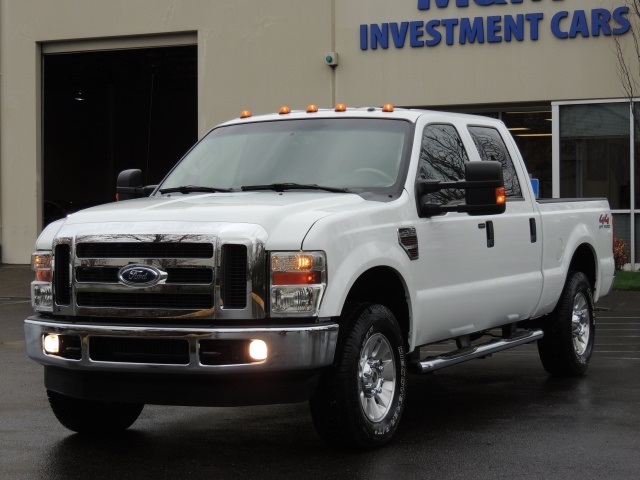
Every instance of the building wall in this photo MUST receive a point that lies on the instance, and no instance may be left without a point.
(263, 54)
(256, 55)
(502, 72)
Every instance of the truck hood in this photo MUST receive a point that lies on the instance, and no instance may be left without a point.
(285, 217)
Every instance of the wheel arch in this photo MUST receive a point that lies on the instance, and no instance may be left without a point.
(584, 260)
(384, 285)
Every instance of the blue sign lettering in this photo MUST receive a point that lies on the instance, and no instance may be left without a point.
(426, 4)
(584, 25)
(555, 24)
(619, 16)
(432, 30)
(534, 22)
(514, 28)
(600, 19)
(399, 33)
(471, 32)
(492, 29)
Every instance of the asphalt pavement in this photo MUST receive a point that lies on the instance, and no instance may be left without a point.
(502, 417)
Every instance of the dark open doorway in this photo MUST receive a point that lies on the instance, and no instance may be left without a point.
(107, 111)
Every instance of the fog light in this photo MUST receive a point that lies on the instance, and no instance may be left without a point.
(51, 344)
(258, 350)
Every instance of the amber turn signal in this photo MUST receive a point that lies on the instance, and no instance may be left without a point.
(297, 278)
(501, 197)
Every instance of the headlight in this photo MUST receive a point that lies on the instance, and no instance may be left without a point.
(298, 280)
(41, 289)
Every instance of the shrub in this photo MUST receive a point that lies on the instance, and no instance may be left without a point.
(620, 256)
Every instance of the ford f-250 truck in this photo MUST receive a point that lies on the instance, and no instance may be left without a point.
(314, 255)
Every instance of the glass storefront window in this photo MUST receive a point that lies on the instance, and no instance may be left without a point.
(531, 131)
(594, 152)
(636, 141)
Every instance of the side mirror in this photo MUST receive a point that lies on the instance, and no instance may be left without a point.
(129, 185)
(483, 186)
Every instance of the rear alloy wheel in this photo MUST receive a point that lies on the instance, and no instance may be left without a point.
(361, 397)
(569, 334)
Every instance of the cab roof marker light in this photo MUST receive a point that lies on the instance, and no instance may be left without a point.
(245, 114)
(312, 108)
(387, 108)
(341, 107)
(284, 110)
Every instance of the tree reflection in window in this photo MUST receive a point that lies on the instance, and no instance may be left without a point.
(491, 146)
(442, 157)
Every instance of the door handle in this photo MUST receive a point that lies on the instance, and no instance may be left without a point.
(488, 228)
(490, 236)
(533, 230)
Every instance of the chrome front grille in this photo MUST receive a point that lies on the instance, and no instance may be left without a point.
(145, 249)
(183, 301)
(62, 274)
(201, 277)
(180, 275)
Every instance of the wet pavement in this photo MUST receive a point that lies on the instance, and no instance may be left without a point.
(502, 417)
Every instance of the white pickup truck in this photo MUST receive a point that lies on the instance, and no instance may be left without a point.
(314, 255)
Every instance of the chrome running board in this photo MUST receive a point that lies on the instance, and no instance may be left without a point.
(471, 352)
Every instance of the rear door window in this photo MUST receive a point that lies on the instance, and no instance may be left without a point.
(491, 146)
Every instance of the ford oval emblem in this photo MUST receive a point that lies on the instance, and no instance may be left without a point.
(140, 275)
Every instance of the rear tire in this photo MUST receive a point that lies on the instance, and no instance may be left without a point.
(569, 334)
(92, 416)
(360, 399)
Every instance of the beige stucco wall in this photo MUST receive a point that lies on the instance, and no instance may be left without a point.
(251, 54)
(263, 54)
(542, 70)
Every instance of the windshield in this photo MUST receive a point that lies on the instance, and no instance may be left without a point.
(348, 153)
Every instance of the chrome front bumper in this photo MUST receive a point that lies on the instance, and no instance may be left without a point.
(290, 348)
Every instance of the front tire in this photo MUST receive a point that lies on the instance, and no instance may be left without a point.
(360, 399)
(569, 335)
(92, 416)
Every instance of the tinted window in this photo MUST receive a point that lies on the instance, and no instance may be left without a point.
(442, 157)
(491, 146)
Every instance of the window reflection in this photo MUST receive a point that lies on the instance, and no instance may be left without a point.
(491, 146)
(531, 130)
(594, 152)
(442, 157)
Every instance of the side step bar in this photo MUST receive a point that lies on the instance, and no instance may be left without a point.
(431, 364)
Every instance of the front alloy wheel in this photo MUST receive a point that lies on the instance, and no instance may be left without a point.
(377, 377)
(360, 399)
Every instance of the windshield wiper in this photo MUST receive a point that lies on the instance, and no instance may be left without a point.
(281, 187)
(193, 188)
